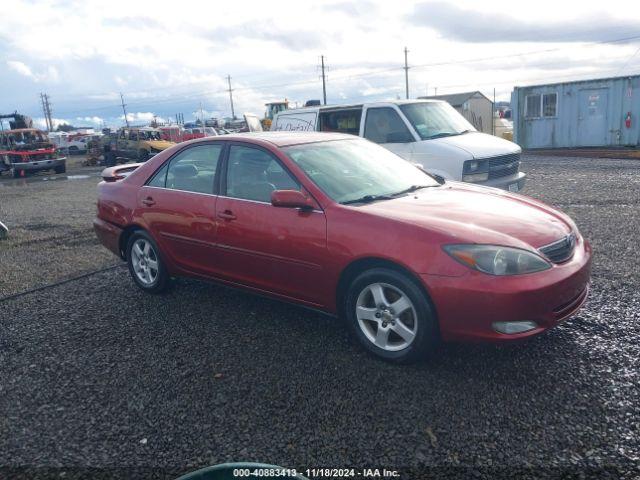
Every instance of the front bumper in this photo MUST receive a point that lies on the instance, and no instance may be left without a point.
(513, 183)
(108, 234)
(37, 165)
(468, 306)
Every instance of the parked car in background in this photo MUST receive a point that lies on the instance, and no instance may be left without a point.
(193, 133)
(137, 143)
(337, 223)
(171, 133)
(430, 133)
(28, 150)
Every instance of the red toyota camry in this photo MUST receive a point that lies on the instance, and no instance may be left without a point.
(342, 225)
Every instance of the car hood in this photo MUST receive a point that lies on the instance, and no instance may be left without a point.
(477, 145)
(465, 213)
(159, 144)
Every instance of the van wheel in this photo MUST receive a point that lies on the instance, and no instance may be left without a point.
(15, 173)
(145, 263)
(143, 155)
(61, 168)
(390, 316)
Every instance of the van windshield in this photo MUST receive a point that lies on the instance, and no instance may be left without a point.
(357, 171)
(435, 119)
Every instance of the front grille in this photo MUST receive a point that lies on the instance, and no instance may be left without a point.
(560, 250)
(504, 165)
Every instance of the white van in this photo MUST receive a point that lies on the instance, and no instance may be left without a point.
(425, 132)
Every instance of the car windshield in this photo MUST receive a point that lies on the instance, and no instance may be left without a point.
(149, 135)
(435, 119)
(356, 170)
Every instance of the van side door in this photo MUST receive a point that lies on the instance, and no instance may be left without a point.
(386, 126)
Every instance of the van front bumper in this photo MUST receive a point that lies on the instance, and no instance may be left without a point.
(513, 183)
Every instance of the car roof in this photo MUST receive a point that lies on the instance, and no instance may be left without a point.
(351, 106)
(284, 139)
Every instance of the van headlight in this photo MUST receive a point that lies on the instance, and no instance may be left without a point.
(475, 177)
(497, 260)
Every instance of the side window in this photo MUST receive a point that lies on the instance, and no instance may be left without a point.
(252, 174)
(194, 169)
(343, 121)
(160, 177)
(384, 125)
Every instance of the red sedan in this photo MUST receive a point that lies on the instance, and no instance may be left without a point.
(342, 225)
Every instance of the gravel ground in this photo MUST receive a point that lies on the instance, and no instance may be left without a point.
(95, 374)
(50, 233)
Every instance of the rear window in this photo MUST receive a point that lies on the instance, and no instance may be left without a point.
(343, 121)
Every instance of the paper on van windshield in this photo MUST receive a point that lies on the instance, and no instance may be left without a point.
(295, 122)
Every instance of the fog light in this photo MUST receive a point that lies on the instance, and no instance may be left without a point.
(510, 328)
(475, 177)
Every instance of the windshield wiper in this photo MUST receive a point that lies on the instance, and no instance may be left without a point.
(367, 199)
(412, 188)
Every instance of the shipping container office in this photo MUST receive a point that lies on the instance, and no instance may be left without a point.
(587, 113)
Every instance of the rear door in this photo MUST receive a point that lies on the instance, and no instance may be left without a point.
(178, 204)
(277, 249)
(386, 127)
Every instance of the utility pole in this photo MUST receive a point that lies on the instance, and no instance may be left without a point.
(124, 110)
(202, 117)
(493, 112)
(406, 73)
(233, 114)
(324, 81)
(46, 109)
(44, 112)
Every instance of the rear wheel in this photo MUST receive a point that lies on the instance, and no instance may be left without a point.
(390, 315)
(61, 168)
(145, 264)
(143, 155)
(16, 173)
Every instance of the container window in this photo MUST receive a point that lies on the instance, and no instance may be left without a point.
(532, 106)
(549, 104)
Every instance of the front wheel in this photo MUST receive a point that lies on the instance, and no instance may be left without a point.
(145, 264)
(390, 316)
(143, 155)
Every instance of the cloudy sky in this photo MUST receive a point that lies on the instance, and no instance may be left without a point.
(169, 57)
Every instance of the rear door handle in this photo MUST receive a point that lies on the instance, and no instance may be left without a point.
(227, 215)
(149, 201)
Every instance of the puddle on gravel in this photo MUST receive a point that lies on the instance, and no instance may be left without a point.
(22, 182)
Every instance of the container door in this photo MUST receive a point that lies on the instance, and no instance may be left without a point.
(592, 117)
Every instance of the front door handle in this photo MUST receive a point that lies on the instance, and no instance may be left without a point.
(227, 215)
(149, 201)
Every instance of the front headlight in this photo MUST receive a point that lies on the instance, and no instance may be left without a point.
(497, 260)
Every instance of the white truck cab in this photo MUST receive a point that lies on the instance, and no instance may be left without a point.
(430, 133)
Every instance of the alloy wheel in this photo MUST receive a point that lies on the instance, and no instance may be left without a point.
(386, 316)
(144, 260)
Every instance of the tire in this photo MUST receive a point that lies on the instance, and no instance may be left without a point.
(73, 150)
(16, 172)
(61, 168)
(390, 316)
(143, 155)
(141, 261)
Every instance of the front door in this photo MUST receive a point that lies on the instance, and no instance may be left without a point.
(178, 205)
(592, 117)
(270, 248)
(385, 126)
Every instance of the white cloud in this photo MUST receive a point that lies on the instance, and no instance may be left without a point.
(20, 68)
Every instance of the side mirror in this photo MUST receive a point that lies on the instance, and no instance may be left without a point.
(291, 199)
